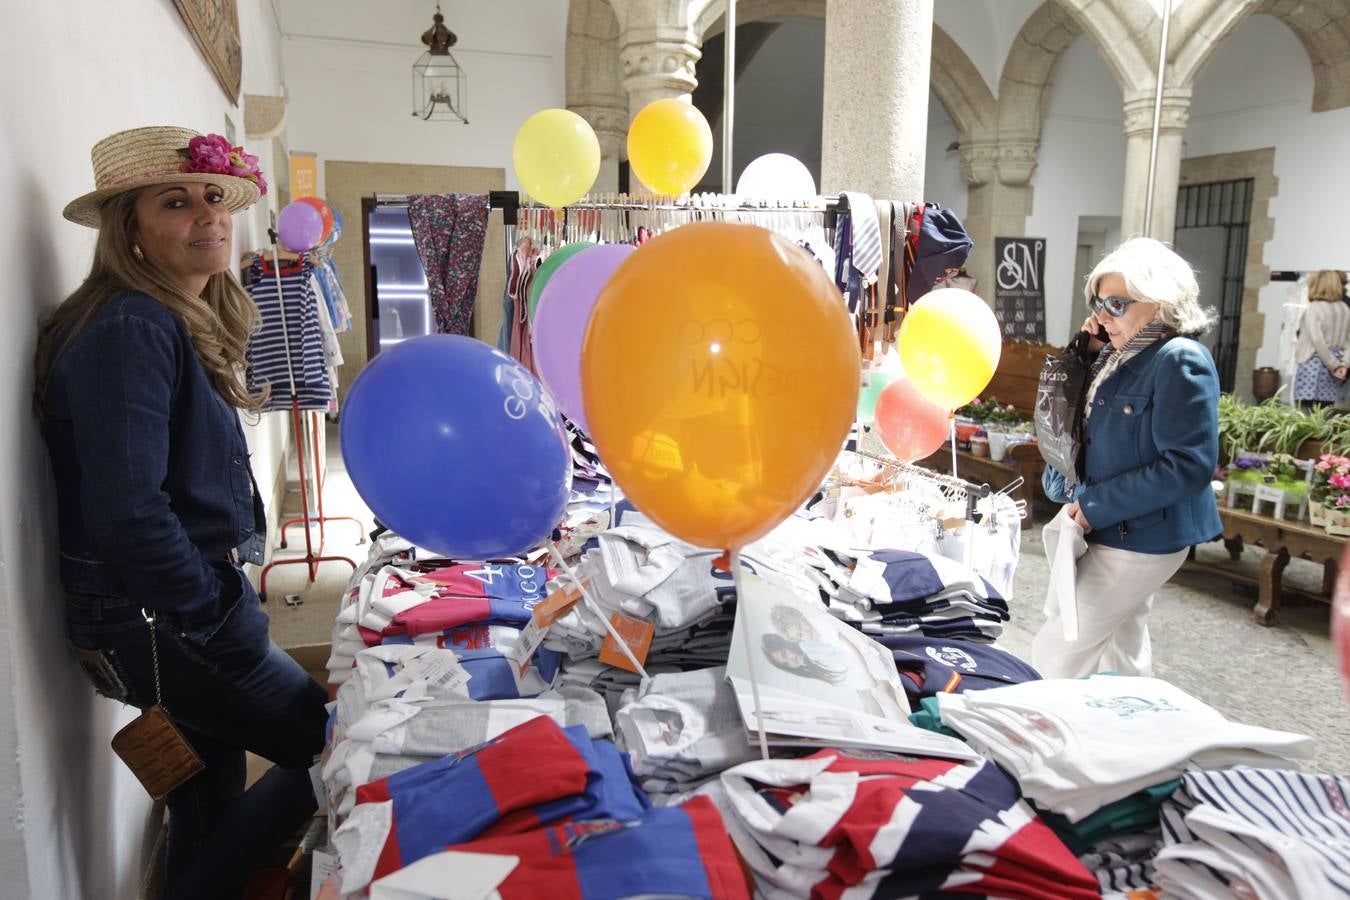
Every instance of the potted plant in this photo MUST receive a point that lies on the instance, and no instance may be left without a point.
(1244, 474)
(1330, 478)
(1338, 514)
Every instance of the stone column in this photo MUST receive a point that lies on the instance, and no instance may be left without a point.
(1176, 112)
(608, 115)
(998, 172)
(658, 63)
(877, 57)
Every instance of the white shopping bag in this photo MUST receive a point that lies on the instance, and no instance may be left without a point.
(1064, 544)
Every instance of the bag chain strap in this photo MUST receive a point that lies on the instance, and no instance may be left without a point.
(154, 655)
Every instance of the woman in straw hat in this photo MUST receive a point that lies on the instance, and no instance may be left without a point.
(138, 390)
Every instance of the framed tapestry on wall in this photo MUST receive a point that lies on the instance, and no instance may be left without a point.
(215, 27)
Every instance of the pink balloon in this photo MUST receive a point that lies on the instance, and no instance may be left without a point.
(561, 318)
(910, 426)
(1340, 621)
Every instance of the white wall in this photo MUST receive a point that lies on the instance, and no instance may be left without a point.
(75, 820)
(942, 180)
(1080, 171)
(1257, 92)
(353, 96)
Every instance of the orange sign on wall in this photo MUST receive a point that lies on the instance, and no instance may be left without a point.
(304, 175)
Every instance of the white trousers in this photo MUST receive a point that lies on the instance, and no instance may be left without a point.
(1114, 594)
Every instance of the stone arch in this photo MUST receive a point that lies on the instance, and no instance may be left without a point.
(1029, 70)
(1322, 27)
(1122, 31)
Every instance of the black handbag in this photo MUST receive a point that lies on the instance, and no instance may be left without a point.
(1060, 397)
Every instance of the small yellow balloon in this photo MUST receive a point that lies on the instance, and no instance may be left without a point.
(669, 146)
(950, 344)
(556, 156)
(719, 376)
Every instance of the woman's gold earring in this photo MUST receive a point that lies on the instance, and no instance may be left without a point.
(137, 252)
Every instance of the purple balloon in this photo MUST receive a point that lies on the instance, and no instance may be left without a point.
(300, 227)
(560, 322)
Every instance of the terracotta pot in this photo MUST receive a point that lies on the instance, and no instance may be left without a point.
(1265, 383)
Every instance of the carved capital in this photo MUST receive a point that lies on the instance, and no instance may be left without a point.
(979, 162)
(656, 66)
(1176, 111)
(608, 115)
(1016, 161)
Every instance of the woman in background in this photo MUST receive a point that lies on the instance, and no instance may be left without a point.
(1323, 336)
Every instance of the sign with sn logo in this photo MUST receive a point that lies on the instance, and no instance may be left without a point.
(1019, 287)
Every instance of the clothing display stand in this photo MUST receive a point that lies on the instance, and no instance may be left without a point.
(319, 479)
(312, 558)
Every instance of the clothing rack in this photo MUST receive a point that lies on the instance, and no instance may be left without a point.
(313, 557)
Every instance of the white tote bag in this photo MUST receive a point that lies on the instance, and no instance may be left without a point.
(1064, 544)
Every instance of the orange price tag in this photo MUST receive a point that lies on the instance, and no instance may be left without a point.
(555, 605)
(636, 633)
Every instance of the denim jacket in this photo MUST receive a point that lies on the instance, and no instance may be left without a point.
(153, 482)
(1150, 448)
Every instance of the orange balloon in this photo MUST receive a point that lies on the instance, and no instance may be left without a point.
(719, 376)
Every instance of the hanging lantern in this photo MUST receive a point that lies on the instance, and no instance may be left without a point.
(438, 82)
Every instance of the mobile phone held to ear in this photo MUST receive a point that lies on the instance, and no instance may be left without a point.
(1101, 335)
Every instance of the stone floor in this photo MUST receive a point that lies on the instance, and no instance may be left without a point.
(1204, 637)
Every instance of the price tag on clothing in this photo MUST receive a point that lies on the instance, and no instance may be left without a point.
(439, 670)
(636, 633)
(528, 642)
(556, 604)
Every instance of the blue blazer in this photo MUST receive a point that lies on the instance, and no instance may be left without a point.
(1151, 445)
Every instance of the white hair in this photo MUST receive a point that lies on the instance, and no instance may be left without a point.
(1154, 273)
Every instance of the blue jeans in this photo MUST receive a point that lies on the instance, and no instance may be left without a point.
(236, 691)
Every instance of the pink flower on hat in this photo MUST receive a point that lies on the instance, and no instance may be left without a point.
(212, 154)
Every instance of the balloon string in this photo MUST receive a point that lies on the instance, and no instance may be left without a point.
(741, 603)
(595, 608)
(953, 433)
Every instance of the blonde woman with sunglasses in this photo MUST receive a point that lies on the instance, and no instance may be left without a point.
(1149, 450)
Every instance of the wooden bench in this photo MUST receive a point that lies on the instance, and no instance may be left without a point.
(1015, 382)
(1282, 541)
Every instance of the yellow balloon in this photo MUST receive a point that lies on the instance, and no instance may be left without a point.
(719, 375)
(557, 157)
(669, 146)
(950, 345)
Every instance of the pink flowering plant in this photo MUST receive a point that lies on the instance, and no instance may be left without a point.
(1331, 480)
(212, 154)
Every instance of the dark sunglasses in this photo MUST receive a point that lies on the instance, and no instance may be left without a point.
(1116, 306)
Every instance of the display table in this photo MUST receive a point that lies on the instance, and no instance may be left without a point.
(1282, 540)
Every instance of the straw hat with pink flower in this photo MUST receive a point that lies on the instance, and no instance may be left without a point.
(163, 154)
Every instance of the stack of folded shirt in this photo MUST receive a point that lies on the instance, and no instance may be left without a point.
(1123, 866)
(673, 852)
(834, 825)
(403, 706)
(682, 729)
(1252, 832)
(530, 776)
(1076, 745)
(931, 666)
(902, 592)
(479, 611)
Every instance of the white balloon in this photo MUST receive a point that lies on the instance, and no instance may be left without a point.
(776, 176)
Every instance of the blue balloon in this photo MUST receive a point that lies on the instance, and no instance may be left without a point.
(455, 446)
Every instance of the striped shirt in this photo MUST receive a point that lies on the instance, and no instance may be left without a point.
(1281, 832)
(274, 351)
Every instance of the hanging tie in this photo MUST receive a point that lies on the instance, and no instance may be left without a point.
(866, 235)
